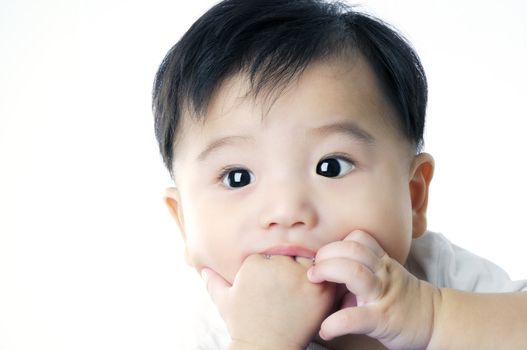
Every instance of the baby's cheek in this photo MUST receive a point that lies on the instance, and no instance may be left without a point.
(219, 257)
(390, 222)
(386, 222)
(391, 232)
(399, 248)
(394, 234)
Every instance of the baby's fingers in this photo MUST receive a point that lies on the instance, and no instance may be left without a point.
(358, 278)
(351, 320)
(366, 239)
(352, 250)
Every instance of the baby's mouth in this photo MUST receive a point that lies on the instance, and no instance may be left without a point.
(302, 255)
(302, 260)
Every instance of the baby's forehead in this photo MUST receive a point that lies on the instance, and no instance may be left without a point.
(333, 95)
(348, 82)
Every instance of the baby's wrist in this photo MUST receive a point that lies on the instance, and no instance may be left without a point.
(435, 337)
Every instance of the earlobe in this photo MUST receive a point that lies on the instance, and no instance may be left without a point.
(173, 203)
(422, 173)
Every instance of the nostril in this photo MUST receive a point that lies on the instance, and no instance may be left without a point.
(298, 224)
(293, 225)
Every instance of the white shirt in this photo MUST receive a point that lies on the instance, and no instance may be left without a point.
(434, 259)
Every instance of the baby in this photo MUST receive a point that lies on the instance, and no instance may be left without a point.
(293, 131)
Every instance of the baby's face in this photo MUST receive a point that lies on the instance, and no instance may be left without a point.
(324, 160)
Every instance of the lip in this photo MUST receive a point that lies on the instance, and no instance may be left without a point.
(290, 250)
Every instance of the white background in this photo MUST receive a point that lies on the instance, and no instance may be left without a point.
(89, 257)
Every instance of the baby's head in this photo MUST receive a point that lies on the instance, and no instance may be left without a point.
(286, 125)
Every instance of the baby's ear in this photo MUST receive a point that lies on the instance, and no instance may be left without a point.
(173, 202)
(421, 174)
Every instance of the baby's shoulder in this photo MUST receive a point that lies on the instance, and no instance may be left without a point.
(437, 260)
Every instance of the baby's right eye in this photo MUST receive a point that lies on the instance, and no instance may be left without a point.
(237, 177)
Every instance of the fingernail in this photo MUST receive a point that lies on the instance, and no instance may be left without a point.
(310, 273)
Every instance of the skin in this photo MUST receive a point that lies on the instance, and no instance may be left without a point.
(254, 296)
(380, 198)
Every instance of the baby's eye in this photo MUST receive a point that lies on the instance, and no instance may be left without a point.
(334, 167)
(235, 178)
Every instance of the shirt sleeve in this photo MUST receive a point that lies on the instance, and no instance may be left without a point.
(445, 265)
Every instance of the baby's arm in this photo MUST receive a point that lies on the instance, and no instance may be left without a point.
(480, 321)
(388, 303)
(271, 304)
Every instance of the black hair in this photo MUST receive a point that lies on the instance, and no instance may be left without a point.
(272, 42)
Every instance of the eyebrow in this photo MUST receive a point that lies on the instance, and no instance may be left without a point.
(219, 143)
(348, 128)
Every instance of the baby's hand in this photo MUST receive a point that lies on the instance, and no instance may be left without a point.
(386, 302)
(271, 303)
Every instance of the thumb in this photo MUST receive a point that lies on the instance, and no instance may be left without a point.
(217, 286)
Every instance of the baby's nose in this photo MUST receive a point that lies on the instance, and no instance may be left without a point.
(290, 208)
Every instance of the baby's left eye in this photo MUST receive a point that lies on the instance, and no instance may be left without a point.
(334, 167)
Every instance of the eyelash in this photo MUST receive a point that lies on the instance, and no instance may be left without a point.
(225, 170)
(341, 156)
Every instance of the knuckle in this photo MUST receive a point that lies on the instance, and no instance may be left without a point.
(359, 269)
(359, 234)
(383, 269)
(354, 247)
